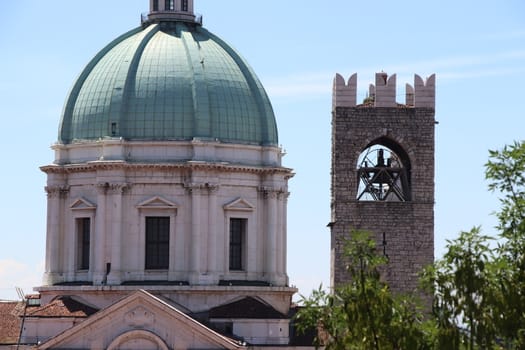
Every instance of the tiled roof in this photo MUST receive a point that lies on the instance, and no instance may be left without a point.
(10, 322)
(62, 307)
(247, 308)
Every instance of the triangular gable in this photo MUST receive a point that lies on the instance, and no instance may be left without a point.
(239, 204)
(157, 203)
(144, 314)
(82, 204)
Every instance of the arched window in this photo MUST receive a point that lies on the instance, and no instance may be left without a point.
(383, 173)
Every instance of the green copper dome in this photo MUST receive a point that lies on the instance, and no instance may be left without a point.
(168, 81)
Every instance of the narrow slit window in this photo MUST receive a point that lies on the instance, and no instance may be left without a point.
(185, 5)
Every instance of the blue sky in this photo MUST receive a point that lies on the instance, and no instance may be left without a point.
(476, 48)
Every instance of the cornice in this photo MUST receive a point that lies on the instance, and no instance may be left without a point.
(220, 167)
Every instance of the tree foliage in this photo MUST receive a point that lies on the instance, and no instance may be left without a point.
(364, 314)
(505, 171)
(462, 285)
(478, 286)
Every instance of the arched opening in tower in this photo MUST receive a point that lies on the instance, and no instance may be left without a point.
(383, 173)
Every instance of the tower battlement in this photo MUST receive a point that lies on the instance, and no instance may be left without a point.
(421, 95)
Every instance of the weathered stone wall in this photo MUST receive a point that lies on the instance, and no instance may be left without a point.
(408, 226)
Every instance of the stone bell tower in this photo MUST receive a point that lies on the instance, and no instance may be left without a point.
(383, 175)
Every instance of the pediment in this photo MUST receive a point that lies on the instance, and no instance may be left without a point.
(240, 204)
(157, 202)
(144, 318)
(82, 204)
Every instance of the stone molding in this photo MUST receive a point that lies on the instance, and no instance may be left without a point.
(240, 204)
(82, 204)
(157, 202)
(138, 335)
(96, 166)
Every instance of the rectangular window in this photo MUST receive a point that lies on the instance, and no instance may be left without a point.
(237, 237)
(155, 5)
(84, 242)
(185, 5)
(157, 243)
(169, 5)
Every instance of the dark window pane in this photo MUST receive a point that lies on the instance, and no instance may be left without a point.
(155, 5)
(184, 5)
(169, 6)
(157, 243)
(84, 242)
(237, 234)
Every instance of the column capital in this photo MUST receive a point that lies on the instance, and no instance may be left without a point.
(213, 188)
(273, 192)
(118, 188)
(112, 187)
(57, 191)
(201, 187)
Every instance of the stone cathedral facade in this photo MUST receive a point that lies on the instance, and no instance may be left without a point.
(383, 175)
(167, 198)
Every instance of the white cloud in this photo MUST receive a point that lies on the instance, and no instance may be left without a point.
(17, 274)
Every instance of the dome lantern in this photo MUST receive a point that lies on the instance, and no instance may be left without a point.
(172, 10)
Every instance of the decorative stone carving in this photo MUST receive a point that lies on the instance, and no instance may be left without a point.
(139, 317)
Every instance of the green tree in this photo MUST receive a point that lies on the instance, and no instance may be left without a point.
(505, 171)
(463, 285)
(479, 292)
(363, 314)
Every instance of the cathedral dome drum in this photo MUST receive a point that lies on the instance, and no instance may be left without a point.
(167, 167)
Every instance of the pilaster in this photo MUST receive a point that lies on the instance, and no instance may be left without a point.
(271, 196)
(54, 250)
(99, 237)
(195, 190)
(115, 192)
(213, 245)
